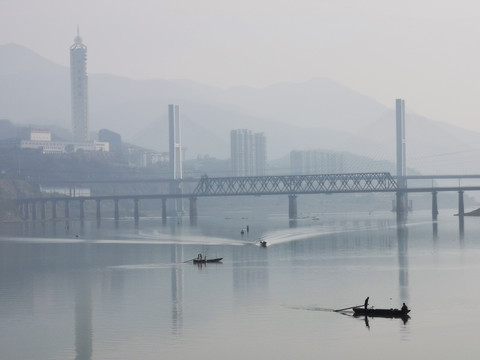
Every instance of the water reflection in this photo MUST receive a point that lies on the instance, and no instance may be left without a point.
(177, 278)
(404, 320)
(435, 230)
(402, 236)
(461, 226)
(131, 297)
(83, 305)
(250, 275)
(367, 323)
(83, 316)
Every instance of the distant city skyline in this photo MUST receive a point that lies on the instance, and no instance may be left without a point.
(420, 51)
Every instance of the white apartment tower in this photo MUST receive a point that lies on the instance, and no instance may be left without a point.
(79, 89)
(248, 153)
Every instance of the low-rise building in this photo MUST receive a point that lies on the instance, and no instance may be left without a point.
(41, 139)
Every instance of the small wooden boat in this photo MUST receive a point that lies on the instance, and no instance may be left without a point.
(205, 260)
(389, 313)
(263, 243)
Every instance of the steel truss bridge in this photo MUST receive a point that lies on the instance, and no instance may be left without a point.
(296, 184)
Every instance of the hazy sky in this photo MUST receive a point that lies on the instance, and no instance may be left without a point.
(425, 51)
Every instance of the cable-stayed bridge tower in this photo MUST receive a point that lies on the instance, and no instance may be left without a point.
(402, 201)
(175, 152)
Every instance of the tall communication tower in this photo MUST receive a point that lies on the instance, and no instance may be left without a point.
(79, 89)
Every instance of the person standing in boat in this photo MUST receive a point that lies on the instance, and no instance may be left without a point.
(366, 303)
(404, 308)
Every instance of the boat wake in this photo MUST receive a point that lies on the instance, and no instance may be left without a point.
(35, 240)
(311, 308)
(289, 235)
(175, 239)
(283, 236)
(295, 234)
(144, 266)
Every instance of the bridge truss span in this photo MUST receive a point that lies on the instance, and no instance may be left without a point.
(296, 184)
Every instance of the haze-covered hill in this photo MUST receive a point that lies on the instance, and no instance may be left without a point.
(137, 109)
(317, 114)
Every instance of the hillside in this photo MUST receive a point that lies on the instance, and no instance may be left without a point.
(316, 114)
(138, 109)
(11, 188)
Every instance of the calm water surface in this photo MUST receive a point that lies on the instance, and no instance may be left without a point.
(126, 293)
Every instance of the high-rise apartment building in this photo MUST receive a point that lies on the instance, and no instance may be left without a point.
(241, 152)
(248, 153)
(79, 89)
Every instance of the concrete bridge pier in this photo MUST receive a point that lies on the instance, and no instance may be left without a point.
(164, 210)
(135, 211)
(461, 207)
(43, 205)
(67, 209)
(54, 209)
(193, 210)
(292, 207)
(98, 211)
(461, 213)
(434, 206)
(26, 210)
(401, 205)
(82, 210)
(34, 210)
(116, 214)
(20, 209)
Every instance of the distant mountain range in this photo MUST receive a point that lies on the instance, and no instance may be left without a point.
(317, 114)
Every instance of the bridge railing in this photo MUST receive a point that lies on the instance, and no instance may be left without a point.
(296, 184)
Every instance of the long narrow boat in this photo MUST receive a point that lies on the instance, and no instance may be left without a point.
(205, 261)
(391, 313)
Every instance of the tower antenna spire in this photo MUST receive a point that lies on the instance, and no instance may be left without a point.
(78, 39)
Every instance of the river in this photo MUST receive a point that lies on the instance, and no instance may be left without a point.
(73, 291)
